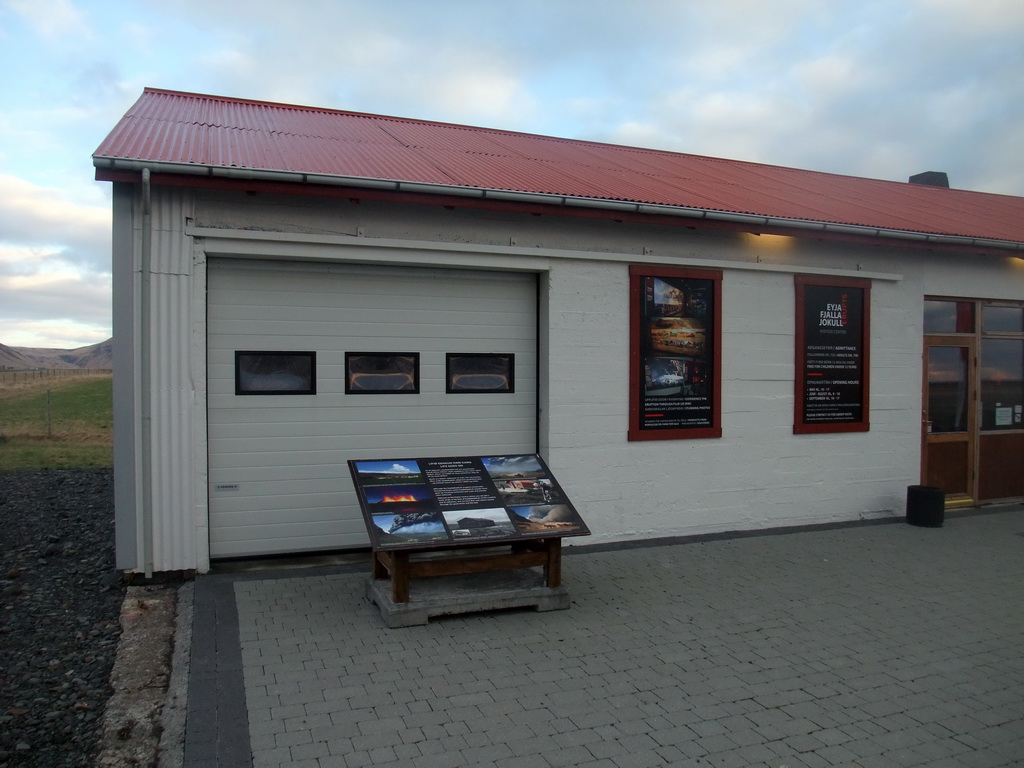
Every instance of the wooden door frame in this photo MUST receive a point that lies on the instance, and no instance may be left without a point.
(969, 341)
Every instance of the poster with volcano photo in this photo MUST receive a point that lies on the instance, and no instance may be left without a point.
(399, 499)
(409, 528)
(548, 520)
(404, 514)
(461, 500)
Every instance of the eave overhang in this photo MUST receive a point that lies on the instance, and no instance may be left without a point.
(130, 170)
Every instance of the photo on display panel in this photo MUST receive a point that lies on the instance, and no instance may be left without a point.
(528, 490)
(409, 528)
(403, 472)
(468, 524)
(513, 466)
(547, 520)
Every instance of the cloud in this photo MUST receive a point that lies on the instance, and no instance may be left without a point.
(37, 283)
(366, 62)
(868, 92)
(977, 17)
(55, 334)
(23, 261)
(36, 216)
(465, 88)
(52, 307)
(54, 266)
(51, 19)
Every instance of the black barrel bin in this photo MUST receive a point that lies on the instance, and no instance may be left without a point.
(926, 505)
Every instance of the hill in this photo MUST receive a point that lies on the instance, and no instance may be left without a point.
(95, 356)
(12, 358)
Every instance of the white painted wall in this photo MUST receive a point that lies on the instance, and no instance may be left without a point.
(757, 475)
(160, 520)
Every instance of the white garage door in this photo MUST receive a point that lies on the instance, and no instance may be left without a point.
(279, 481)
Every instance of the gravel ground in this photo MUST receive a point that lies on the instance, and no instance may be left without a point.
(59, 631)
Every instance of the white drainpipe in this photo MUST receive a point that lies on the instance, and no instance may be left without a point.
(146, 399)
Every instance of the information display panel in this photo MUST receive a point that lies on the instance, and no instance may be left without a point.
(832, 346)
(461, 500)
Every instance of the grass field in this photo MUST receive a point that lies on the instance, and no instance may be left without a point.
(56, 422)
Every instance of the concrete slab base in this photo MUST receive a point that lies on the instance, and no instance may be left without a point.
(448, 595)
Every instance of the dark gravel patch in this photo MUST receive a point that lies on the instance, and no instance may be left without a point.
(59, 628)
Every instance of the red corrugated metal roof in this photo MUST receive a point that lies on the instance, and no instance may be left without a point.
(210, 131)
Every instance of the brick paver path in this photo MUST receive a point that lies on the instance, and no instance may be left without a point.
(868, 646)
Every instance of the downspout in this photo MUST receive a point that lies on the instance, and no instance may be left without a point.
(146, 399)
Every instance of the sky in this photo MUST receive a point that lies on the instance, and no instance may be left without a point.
(877, 88)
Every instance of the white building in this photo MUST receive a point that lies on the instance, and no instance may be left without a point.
(694, 345)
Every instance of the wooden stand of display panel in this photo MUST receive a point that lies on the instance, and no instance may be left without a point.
(412, 586)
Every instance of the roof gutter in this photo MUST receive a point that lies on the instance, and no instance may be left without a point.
(483, 193)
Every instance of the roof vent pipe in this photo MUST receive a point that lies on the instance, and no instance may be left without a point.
(931, 179)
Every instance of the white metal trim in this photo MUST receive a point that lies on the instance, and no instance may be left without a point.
(236, 243)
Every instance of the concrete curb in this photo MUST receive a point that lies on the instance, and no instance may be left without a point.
(171, 750)
(131, 721)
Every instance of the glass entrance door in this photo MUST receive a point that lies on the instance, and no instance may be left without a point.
(950, 412)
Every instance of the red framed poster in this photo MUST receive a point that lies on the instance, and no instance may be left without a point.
(832, 355)
(675, 379)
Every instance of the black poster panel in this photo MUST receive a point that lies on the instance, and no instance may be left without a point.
(429, 503)
(674, 387)
(832, 355)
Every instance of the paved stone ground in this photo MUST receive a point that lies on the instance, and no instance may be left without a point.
(869, 646)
